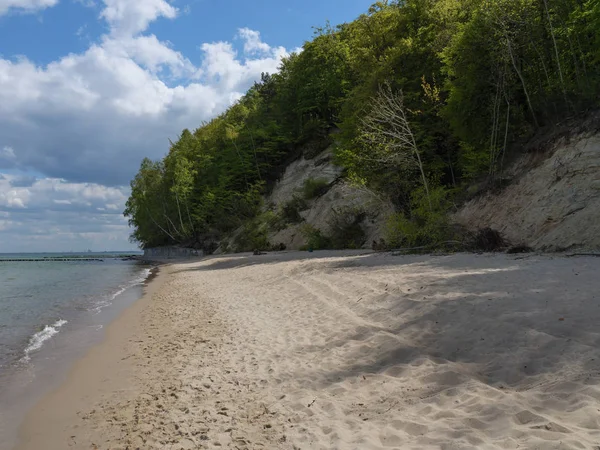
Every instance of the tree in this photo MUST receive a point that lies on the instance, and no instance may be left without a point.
(145, 207)
(451, 87)
(387, 131)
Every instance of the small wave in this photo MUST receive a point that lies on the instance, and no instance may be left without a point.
(145, 274)
(99, 306)
(120, 291)
(37, 340)
(135, 282)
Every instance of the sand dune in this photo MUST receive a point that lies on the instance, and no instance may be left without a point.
(355, 351)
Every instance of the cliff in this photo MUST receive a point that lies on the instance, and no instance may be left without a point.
(341, 201)
(326, 205)
(553, 200)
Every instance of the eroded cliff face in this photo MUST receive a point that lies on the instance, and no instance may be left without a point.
(552, 204)
(340, 198)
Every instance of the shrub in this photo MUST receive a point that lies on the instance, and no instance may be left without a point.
(315, 147)
(278, 247)
(291, 210)
(487, 240)
(314, 138)
(314, 188)
(275, 221)
(346, 229)
(315, 239)
(401, 232)
(427, 226)
(253, 236)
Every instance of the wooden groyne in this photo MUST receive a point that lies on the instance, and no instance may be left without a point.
(72, 259)
(50, 259)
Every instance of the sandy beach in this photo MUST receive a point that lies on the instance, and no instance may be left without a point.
(342, 350)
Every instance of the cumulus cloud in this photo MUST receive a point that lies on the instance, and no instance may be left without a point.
(93, 116)
(253, 42)
(58, 214)
(25, 5)
(151, 54)
(129, 17)
(88, 119)
(53, 194)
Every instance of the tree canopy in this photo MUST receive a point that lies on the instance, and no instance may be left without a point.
(476, 78)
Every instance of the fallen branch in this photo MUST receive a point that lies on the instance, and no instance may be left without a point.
(397, 251)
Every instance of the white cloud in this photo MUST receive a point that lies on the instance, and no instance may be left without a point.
(7, 152)
(223, 67)
(87, 3)
(25, 5)
(63, 230)
(85, 121)
(93, 116)
(150, 53)
(253, 42)
(52, 193)
(52, 214)
(129, 17)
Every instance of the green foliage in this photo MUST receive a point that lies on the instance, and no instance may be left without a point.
(422, 226)
(315, 240)
(253, 236)
(274, 220)
(314, 187)
(291, 210)
(478, 78)
(345, 228)
(345, 231)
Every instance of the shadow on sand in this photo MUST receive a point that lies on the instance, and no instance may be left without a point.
(510, 319)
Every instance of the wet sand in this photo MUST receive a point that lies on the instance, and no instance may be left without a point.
(25, 381)
(103, 372)
(340, 350)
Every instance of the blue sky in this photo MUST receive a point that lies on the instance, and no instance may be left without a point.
(70, 26)
(90, 87)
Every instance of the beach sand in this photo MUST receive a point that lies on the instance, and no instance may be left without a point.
(342, 350)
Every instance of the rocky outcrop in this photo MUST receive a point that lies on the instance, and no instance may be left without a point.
(340, 198)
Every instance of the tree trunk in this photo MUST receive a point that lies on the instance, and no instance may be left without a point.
(179, 211)
(562, 81)
(514, 63)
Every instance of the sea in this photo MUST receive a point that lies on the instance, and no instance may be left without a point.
(54, 307)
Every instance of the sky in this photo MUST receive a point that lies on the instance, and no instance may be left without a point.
(90, 87)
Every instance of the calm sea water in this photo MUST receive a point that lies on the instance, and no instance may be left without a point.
(51, 312)
(38, 300)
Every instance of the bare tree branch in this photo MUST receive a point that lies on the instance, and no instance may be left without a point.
(386, 130)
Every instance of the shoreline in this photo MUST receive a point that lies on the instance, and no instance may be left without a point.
(86, 380)
(342, 350)
(39, 360)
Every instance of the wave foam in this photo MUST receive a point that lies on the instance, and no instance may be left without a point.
(135, 282)
(37, 340)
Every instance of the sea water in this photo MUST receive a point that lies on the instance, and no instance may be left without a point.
(50, 311)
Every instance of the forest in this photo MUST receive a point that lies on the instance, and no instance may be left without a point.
(419, 99)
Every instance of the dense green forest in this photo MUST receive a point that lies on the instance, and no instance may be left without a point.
(425, 97)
